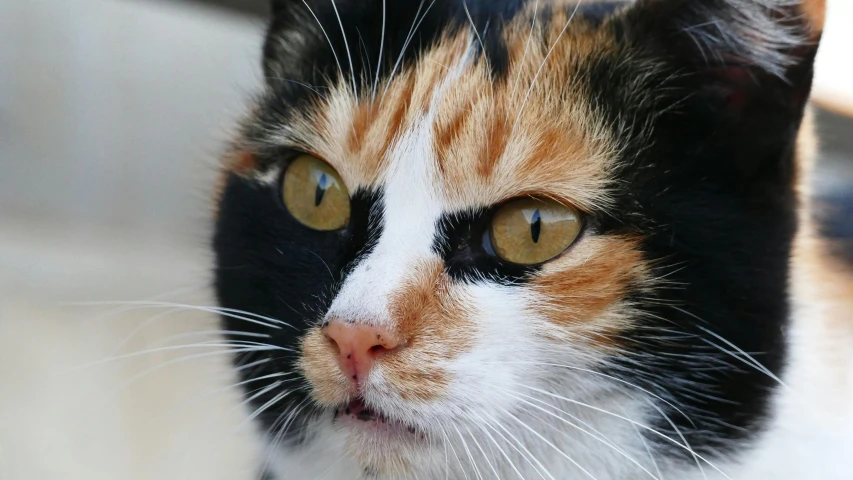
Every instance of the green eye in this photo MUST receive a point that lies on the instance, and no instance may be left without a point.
(528, 231)
(315, 195)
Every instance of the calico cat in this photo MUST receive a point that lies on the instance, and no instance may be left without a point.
(533, 239)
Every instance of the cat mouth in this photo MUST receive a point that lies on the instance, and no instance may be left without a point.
(358, 415)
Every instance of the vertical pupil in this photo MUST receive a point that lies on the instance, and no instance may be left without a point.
(320, 191)
(535, 226)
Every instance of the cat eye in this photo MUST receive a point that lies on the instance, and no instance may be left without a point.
(315, 195)
(528, 231)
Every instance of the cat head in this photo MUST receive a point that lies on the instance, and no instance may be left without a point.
(457, 222)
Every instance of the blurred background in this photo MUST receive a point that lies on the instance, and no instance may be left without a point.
(112, 116)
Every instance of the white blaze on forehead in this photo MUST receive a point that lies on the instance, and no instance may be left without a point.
(411, 210)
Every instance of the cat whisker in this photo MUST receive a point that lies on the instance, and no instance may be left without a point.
(286, 419)
(211, 393)
(523, 58)
(473, 26)
(519, 447)
(747, 358)
(266, 406)
(252, 364)
(483, 426)
(455, 454)
(142, 326)
(160, 297)
(331, 46)
(260, 392)
(309, 87)
(468, 452)
(648, 449)
(446, 461)
(542, 65)
(229, 312)
(415, 24)
(741, 355)
(599, 437)
(381, 47)
(331, 275)
(346, 44)
(480, 448)
(611, 377)
(678, 432)
(328, 469)
(365, 56)
(107, 396)
(647, 428)
(244, 345)
(550, 444)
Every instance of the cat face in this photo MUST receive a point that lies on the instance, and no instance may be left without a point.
(516, 225)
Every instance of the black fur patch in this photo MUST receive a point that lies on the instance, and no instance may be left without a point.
(269, 264)
(712, 194)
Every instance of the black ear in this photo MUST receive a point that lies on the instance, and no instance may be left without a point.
(315, 41)
(768, 35)
(746, 66)
(292, 35)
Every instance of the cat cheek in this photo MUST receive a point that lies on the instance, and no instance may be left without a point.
(320, 367)
(611, 268)
(415, 380)
(431, 312)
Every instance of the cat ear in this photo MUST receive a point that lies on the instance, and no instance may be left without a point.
(772, 36)
(293, 34)
(748, 66)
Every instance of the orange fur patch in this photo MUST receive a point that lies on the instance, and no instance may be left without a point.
(437, 329)
(531, 133)
(319, 364)
(575, 292)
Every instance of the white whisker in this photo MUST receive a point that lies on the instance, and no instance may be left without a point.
(346, 44)
(601, 438)
(483, 426)
(480, 448)
(453, 450)
(629, 420)
(518, 446)
(409, 38)
(557, 449)
(468, 452)
(332, 47)
(611, 377)
(229, 312)
(381, 47)
(244, 346)
(523, 56)
(544, 61)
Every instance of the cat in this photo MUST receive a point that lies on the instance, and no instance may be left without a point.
(534, 239)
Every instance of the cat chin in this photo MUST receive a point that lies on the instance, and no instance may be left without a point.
(384, 456)
(349, 448)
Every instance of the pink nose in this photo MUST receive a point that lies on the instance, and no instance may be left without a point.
(359, 346)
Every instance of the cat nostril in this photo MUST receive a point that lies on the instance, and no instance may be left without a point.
(377, 348)
(333, 343)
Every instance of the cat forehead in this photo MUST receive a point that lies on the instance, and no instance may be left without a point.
(532, 131)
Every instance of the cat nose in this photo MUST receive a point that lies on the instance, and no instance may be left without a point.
(359, 346)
